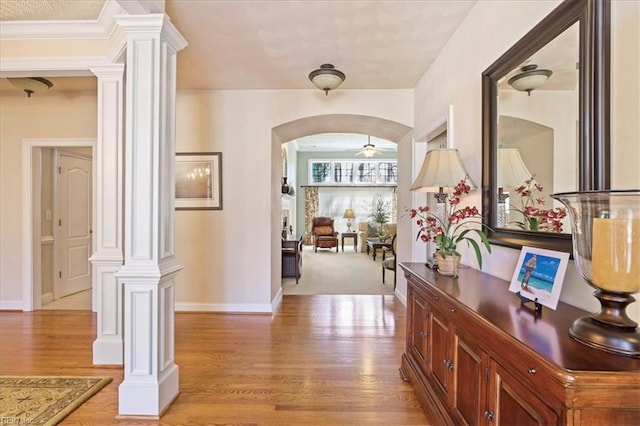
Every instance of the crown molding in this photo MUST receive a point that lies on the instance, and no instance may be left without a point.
(101, 28)
(51, 67)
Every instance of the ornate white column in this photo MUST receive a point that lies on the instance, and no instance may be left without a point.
(108, 256)
(148, 275)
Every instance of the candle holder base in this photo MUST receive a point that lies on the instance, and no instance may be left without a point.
(615, 340)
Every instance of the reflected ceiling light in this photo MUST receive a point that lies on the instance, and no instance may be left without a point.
(529, 79)
(30, 84)
(326, 78)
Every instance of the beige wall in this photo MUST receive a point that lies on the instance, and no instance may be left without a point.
(48, 115)
(455, 78)
(227, 254)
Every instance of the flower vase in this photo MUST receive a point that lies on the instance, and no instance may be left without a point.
(448, 265)
(285, 186)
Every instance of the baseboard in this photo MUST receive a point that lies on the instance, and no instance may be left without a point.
(246, 308)
(46, 298)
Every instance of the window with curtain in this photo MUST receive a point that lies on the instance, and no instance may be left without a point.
(332, 202)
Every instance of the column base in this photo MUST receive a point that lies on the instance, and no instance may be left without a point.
(148, 398)
(108, 351)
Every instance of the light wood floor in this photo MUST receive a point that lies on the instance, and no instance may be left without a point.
(320, 360)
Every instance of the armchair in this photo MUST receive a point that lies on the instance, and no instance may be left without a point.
(324, 234)
(369, 230)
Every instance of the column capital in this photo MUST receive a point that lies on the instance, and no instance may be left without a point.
(108, 70)
(153, 23)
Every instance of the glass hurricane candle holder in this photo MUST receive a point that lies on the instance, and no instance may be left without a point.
(606, 250)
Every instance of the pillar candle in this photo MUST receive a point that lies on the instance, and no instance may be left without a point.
(615, 259)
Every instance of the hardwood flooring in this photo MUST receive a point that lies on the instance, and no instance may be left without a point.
(320, 360)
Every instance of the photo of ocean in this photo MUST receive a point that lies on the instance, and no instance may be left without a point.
(544, 274)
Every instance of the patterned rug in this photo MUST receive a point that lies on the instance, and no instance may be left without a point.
(44, 400)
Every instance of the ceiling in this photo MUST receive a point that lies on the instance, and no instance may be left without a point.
(276, 44)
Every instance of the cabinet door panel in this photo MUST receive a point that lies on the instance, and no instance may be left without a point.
(514, 404)
(439, 354)
(419, 330)
(469, 393)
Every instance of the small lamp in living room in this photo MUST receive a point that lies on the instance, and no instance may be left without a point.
(348, 214)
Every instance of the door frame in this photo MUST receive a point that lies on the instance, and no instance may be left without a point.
(31, 232)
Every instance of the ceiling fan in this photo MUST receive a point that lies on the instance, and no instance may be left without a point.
(369, 149)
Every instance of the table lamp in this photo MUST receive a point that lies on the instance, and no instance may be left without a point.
(512, 173)
(348, 214)
(442, 169)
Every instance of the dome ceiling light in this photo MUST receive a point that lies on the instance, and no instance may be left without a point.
(529, 79)
(326, 78)
(30, 85)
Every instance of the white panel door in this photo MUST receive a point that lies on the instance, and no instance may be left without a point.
(74, 225)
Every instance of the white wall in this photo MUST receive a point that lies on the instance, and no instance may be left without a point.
(490, 29)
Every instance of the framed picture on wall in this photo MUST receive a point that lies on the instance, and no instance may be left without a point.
(539, 275)
(199, 181)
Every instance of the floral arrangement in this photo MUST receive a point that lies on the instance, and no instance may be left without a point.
(534, 217)
(449, 232)
(379, 210)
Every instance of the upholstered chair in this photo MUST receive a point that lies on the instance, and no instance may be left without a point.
(324, 234)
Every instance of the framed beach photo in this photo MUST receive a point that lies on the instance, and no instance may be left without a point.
(199, 181)
(539, 275)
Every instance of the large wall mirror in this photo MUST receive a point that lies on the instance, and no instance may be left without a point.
(546, 125)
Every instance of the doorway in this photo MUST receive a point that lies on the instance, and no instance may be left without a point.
(37, 233)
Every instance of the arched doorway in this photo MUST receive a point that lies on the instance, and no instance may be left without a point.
(329, 123)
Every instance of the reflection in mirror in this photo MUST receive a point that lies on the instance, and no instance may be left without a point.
(537, 123)
(545, 125)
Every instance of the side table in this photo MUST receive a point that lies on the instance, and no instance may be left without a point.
(353, 235)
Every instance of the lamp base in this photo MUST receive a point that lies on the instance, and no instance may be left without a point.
(606, 338)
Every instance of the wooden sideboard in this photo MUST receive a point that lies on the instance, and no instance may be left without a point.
(475, 356)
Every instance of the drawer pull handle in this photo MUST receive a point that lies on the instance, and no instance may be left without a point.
(452, 309)
(531, 370)
(436, 298)
(488, 415)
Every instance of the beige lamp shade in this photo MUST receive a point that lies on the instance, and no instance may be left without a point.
(348, 214)
(512, 171)
(441, 168)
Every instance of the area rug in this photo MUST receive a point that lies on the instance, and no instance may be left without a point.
(44, 400)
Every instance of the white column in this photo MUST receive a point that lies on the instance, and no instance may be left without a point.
(148, 275)
(107, 233)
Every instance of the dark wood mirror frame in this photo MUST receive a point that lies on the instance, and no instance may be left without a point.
(593, 134)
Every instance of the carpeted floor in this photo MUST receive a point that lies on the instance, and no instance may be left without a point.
(44, 400)
(348, 272)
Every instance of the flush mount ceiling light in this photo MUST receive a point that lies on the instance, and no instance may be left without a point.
(529, 79)
(30, 84)
(326, 78)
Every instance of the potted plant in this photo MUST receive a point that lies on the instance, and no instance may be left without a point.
(447, 232)
(379, 211)
(534, 218)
